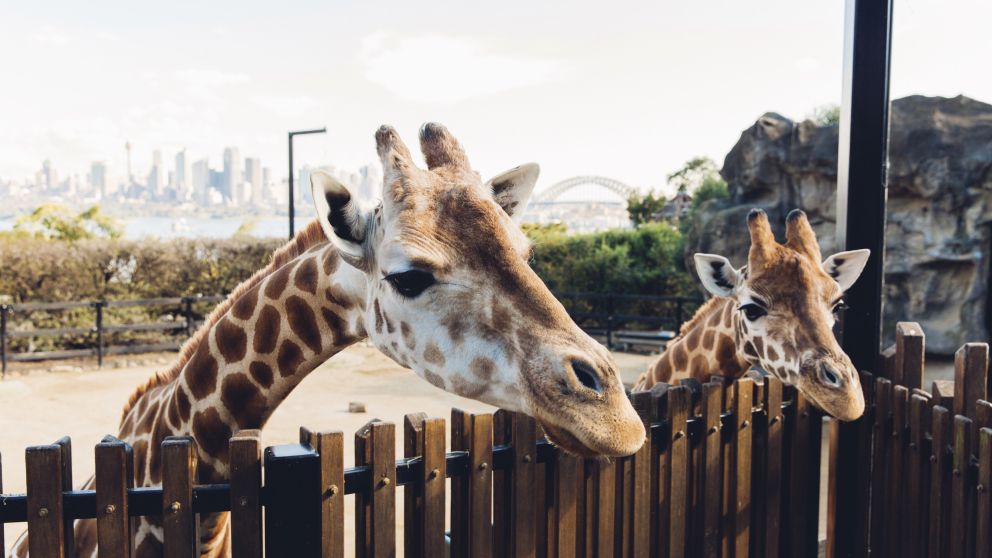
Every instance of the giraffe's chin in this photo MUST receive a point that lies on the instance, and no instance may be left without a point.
(567, 442)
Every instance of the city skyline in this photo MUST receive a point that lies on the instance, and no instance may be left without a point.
(631, 96)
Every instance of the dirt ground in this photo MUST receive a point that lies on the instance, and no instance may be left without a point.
(85, 403)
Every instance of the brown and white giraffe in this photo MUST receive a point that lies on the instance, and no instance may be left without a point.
(776, 313)
(435, 275)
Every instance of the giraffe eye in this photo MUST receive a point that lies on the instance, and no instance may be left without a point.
(840, 306)
(752, 311)
(411, 283)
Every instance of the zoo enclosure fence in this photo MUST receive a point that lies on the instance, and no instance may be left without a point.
(729, 469)
(603, 315)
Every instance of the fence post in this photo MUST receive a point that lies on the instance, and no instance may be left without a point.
(292, 501)
(43, 465)
(98, 306)
(188, 315)
(4, 310)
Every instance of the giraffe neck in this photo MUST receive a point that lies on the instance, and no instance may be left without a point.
(708, 345)
(251, 359)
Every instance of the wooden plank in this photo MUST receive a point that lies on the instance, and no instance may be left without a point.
(114, 475)
(910, 357)
(800, 468)
(880, 464)
(178, 477)
(759, 442)
(43, 467)
(502, 496)
(605, 508)
(917, 479)
(330, 448)
(459, 487)
(712, 405)
(662, 478)
(744, 388)
(641, 469)
(833, 441)
(434, 474)
(567, 478)
(983, 414)
(727, 506)
(962, 491)
(971, 371)
(897, 442)
(943, 393)
(363, 498)
(413, 493)
(983, 516)
(522, 505)
(65, 446)
(480, 454)
(383, 490)
(679, 400)
(940, 483)
(773, 467)
(246, 491)
(2, 542)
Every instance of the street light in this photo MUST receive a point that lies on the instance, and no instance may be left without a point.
(292, 210)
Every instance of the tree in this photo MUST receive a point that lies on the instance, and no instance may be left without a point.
(693, 173)
(641, 207)
(825, 115)
(52, 221)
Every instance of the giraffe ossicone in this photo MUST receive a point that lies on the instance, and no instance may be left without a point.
(776, 313)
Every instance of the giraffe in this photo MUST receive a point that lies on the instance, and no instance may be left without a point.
(435, 276)
(776, 313)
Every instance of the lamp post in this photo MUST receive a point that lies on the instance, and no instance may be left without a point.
(292, 209)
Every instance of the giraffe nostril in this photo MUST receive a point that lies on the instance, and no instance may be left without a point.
(829, 376)
(586, 375)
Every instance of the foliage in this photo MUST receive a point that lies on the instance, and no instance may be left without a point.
(825, 115)
(642, 206)
(53, 221)
(246, 227)
(693, 174)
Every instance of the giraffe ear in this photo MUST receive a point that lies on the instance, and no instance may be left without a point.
(344, 222)
(512, 189)
(716, 273)
(846, 267)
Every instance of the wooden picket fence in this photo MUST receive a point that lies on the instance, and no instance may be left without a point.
(729, 469)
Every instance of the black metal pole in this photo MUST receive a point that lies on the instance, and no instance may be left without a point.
(861, 195)
(292, 501)
(292, 204)
(98, 305)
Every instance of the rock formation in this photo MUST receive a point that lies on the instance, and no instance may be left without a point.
(938, 238)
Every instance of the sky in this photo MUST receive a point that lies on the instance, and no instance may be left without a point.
(628, 90)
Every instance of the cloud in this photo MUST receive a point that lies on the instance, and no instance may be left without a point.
(407, 66)
(49, 35)
(286, 106)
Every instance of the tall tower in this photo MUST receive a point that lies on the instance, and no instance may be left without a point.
(130, 176)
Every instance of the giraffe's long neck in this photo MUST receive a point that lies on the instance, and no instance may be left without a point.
(708, 345)
(251, 359)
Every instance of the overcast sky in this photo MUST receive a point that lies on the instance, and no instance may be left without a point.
(628, 90)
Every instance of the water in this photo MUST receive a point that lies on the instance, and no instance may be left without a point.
(210, 227)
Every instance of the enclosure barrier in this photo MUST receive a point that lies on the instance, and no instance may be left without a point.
(729, 469)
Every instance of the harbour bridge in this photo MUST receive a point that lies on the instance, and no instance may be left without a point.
(552, 193)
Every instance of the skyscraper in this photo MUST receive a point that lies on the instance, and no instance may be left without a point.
(156, 178)
(232, 171)
(98, 178)
(201, 180)
(253, 176)
(181, 177)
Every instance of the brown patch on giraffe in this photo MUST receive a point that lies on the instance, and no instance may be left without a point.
(182, 403)
(336, 325)
(662, 371)
(434, 379)
(378, 316)
(276, 284)
(750, 351)
(457, 324)
(791, 354)
(339, 297)
(699, 367)
(127, 427)
(266, 330)
(243, 400)
(159, 432)
(140, 451)
(467, 389)
(728, 315)
(771, 354)
(174, 413)
(289, 359)
(433, 354)
(708, 339)
(726, 353)
(150, 547)
(262, 373)
(692, 340)
(201, 373)
(303, 322)
(330, 261)
(212, 433)
(407, 333)
(245, 305)
(483, 368)
(306, 276)
(716, 318)
(502, 318)
(206, 474)
(232, 341)
(759, 345)
(390, 328)
(680, 357)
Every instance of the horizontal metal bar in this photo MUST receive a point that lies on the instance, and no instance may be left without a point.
(162, 326)
(50, 332)
(49, 355)
(143, 348)
(33, 306)
(143, 302)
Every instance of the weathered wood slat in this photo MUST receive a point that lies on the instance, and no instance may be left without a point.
(43, 467)
(962, 490)
(459, 487)
(742, 465)
(661, 477)
(773, 467)
(330, 449)
(983, 516)
(363, 498)
(605, 506)
(897, 442)
(114, 475)
(880, 463)
(480, 454)
(833, 443)
(523, 431)
(679, 400)
(805, 433)
(65, 446)
(940, 483)
(712, 405)
(413, 497)
(246, 501)
(909, 357)
(502, 495)
(971, 374)
(641, 469)
(728, 504)
(434, 475)
(178, 477)
(917, 478)
(567, 477)
(383, 489)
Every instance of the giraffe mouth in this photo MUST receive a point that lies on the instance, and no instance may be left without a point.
(568, 442)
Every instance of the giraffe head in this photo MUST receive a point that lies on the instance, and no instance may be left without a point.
(788, 301)
(450, 295)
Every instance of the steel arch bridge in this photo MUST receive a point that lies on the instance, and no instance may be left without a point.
(552, 193)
